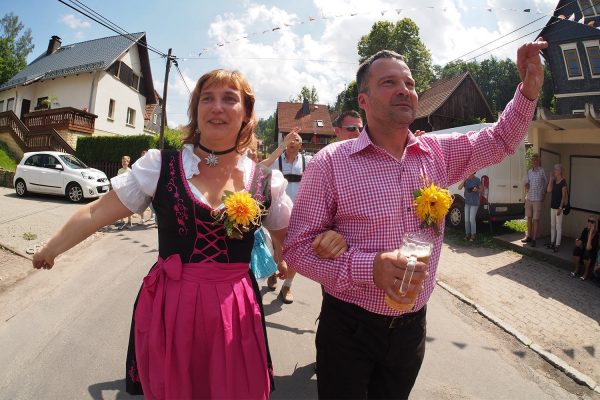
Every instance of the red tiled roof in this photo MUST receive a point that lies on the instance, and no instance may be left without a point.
(289, 115)
(434, 97)
(149, 111)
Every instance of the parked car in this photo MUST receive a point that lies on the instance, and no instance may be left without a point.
(52, 172)
(503, 192)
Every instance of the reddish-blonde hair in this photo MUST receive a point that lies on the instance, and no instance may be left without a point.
(234, 80)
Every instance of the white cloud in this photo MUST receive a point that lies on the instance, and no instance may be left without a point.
(73, 22)
(279, 63)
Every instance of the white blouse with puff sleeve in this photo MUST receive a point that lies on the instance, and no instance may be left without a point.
(136, 188)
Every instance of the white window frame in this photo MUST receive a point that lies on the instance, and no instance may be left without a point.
(154, 118)
(578, 112)
(585, 5)
(111, 115)
(587, 44)
(130, 117)
(571, 46)
(1, 105)
(8, 101)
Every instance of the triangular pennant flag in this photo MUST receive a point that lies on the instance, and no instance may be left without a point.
(527, 10)
(276, 28)
(572, 17)
(312, 19)
(354, 14)
(591, 23)
(561, 17)
(265, 31)
(382, 13)
(582, 20)
(288, 24)
(398, 11)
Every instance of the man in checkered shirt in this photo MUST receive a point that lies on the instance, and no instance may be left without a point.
(362, 188)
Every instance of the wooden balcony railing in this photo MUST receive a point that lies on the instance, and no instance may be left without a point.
(65, 118)
(49, 139)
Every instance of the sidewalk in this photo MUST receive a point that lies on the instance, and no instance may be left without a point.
(540, 300)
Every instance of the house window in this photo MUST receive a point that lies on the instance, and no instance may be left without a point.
(42, 103)
(1, 105)
(572, 62)
(589, 8)
(130, 116)
(111, 109)
(320, 123)
(322, 140)
(154, 118)
(593, 54)
(135, 81)
(10, 104)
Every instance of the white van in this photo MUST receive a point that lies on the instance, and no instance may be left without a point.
(503, 194)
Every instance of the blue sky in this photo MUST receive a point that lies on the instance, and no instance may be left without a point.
(277, 63)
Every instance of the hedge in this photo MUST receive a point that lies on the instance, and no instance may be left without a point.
(112, 148)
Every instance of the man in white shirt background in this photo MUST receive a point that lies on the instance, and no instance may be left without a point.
(292, 164)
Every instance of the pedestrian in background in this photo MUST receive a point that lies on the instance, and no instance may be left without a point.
(472, 187)
(557, 187)
(535, 184)
(586, 248)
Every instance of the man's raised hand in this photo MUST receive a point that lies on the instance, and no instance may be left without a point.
(530, 68)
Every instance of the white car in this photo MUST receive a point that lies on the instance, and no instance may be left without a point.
(52, 172)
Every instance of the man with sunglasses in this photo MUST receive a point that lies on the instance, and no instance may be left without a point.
(348, 125)
(363, 189)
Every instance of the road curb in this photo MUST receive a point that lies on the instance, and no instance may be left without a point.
(552, 359)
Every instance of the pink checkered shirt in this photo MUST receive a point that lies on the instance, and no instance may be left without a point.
(359, 190)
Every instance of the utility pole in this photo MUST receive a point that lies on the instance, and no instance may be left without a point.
(163, 119)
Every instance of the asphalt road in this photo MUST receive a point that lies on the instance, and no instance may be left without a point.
(64, 332)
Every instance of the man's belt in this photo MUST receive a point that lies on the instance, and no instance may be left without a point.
(292, 177)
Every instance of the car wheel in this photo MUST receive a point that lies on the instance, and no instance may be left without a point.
(74, 192)
(21, 188)
(456, 214)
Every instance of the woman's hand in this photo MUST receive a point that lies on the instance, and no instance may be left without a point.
(282, 269)
(329, 244)
(558, 212)
(43, 259)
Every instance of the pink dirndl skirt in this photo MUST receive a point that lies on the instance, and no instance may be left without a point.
(198, 333)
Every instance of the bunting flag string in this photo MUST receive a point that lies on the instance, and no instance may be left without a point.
(397, 11)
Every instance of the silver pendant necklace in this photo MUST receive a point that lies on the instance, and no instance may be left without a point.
(212, 159)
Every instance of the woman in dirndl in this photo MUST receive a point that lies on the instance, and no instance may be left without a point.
(198, 328)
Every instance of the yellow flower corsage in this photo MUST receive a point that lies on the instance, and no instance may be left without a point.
(240, 214)
(431, 205)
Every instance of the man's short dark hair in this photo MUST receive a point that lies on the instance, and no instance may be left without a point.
(339, 120)
(362, 75)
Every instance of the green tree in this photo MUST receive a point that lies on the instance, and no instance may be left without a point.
(14, 46)
(401, 37)
(497, 79)
(305, 93)
(348, 99)
(265, 130)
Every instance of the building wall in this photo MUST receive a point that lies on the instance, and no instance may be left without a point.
(70, 91)
(581, 142)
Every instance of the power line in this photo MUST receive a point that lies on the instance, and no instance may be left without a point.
(125, 34)
(181, 76)
(520, 37)
(96, 13)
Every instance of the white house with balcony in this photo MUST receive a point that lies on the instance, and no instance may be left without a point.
(97, 87)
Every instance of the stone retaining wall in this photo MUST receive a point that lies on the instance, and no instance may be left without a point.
(6, 178)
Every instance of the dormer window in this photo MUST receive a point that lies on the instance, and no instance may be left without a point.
(589, 8)
(592, 49)
(572, 61)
